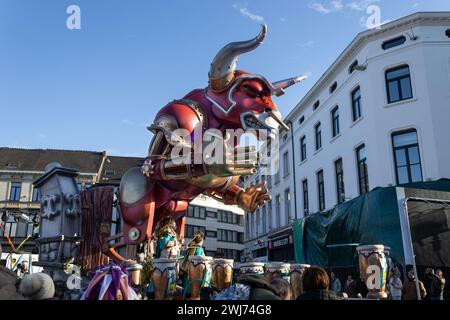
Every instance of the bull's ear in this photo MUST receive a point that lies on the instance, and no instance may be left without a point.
(280, 86)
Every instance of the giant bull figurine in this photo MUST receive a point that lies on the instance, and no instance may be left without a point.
(234, 99)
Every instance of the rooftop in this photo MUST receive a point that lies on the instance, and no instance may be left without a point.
(342, 61)
(37, 159)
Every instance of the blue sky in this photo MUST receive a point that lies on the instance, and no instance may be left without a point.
(96, 88)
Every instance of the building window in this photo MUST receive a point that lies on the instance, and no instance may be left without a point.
(321, 190)
(196, 212)
(356, 103)
(16, 228)
(247, 225)
(227, 217)
(269, 215)
(393, 42)
(269, 181)
(211, 214)
(398, 84)
(211, 234)
(363, 177)
(335, 121)
(258, 219)
(252, 226)
(407, 157)
(278, 211)
(333, 87)
(447, 33)
(36, 195)
(277, 176)
(14, 192)
(285, 164)
(352, 67)
(229, 236)
(190, 211)
(339, 180)
(318, 135)
(115, 222)
(303, 148)
(228, 254)
(190, 230)
(316, 105)
(264, 219)
(301, 120)
(199, 212)
(13, 165)
(305, 197)
(287, 205)
(110, 172)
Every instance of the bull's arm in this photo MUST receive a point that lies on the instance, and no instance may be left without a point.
(160, 165)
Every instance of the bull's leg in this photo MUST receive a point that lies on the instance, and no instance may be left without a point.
(137, 206)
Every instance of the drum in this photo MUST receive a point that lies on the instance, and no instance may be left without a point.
(296, 278)
(251, 268)
(164, 278)
(222, 273)
(373, 268)
(199, 274)
(277, 270)
(134, 270)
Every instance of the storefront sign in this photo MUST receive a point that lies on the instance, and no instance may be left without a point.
(280, 242)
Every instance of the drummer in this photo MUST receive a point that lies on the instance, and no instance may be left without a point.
(194, 248)
(168, 242)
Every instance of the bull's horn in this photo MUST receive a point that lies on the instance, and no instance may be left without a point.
(221, 73)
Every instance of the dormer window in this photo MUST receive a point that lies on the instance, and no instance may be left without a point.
(301, 120)
(12, 165)
(316, 105)
(352, 67)
(333, 87)
(393, 42)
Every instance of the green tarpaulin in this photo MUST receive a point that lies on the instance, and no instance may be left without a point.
(329, 238)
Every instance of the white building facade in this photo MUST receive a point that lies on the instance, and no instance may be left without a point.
(223, 226)
(377, 117)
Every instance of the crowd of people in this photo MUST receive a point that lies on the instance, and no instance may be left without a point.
(432, 288)
(317, 284)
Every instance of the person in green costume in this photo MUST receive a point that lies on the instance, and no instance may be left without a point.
(194, 248)
(168, 242)
(168, 245)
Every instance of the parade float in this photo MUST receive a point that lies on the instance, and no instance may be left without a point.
(87, 260)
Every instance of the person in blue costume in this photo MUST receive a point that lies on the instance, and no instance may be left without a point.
(168, 242)
(167, 247)
(194, 248)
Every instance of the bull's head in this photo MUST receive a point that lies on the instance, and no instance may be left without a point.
(241, 98)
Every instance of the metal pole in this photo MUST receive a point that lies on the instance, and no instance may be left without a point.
(412, 249)
(293, 166)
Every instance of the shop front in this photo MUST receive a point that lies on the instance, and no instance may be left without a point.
(281, 247)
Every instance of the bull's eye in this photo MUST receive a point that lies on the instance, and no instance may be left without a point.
(252, 91)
